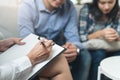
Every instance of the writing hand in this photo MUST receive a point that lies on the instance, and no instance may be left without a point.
(40, 53)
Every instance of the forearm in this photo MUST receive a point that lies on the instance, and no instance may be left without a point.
(4, 44)
(96, 35)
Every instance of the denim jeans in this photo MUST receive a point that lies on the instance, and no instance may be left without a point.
(80, 67)
(97, 57)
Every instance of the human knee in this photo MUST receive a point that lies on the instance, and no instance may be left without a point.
(62, 58)
(57, 67)
(60, 64)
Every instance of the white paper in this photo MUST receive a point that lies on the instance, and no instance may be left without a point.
(17, 51)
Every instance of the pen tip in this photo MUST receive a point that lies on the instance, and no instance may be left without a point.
(39, 37)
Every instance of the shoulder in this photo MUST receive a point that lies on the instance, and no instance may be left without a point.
(27, 9)
(85, 7)
(27, 3)
(84, 11)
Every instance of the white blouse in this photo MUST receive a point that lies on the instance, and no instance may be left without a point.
(16, 70)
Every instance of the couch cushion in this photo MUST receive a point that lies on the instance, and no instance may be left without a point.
(8, 21)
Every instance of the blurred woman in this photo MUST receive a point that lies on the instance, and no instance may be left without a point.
(99, 19)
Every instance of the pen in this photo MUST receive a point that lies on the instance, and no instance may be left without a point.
(43, 44)
(39, 38)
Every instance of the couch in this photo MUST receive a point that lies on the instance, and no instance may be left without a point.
(8, 21)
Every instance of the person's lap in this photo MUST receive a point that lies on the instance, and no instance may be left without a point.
(80, 67)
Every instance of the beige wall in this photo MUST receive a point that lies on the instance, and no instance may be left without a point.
(8, 19)
(8, 2)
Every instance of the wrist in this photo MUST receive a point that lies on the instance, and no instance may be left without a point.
(78, 50)
(10, 41)
(31, 59)
(101, 34)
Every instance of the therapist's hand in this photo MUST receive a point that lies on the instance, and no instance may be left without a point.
(7, 43)
(40, 52)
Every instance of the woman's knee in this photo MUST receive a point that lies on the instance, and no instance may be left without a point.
(58, 66)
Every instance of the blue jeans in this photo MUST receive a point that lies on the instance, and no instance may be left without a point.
(97, 57)
(80, 67)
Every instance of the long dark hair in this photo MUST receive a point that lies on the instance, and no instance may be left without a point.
(97, 13)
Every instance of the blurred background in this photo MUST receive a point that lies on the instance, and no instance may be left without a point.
(8, 16)
(14, 2)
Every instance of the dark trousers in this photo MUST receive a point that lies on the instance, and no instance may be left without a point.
(80, 67)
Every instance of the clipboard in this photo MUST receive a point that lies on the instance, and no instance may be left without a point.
(18, 51)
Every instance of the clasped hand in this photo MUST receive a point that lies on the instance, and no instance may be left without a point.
(71, 52)
(110, 34)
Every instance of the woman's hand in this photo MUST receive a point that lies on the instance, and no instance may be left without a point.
(5, 44)
(110, 34)
(40, 52)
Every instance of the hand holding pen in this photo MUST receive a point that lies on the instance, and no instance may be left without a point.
(43, 40)
(41, 51)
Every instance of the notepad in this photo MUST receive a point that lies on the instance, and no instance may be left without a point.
(17, 51)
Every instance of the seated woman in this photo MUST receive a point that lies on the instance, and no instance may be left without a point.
(56, 70)
(100, 19)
